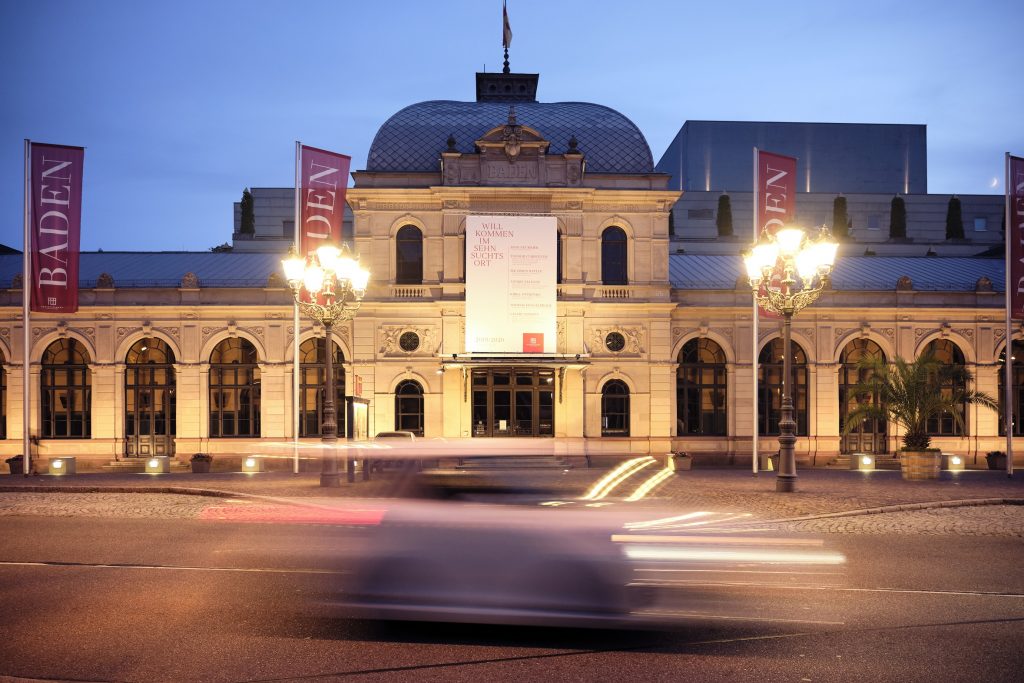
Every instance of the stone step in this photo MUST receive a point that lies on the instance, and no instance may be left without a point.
(511, 463)
(139, 465)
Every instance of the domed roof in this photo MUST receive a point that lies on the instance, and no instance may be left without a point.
(412, 140)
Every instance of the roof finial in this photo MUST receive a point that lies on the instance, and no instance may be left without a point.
(506, 35)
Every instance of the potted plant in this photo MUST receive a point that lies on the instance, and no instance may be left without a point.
(910, 393)
(996, 460)
(16, 463)
(201, 463)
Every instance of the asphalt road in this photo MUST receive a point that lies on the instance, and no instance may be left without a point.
(107, 599)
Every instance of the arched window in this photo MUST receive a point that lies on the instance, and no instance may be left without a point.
(66, 384)
(3, 396)
(615, 408)
(769, 388)
(701, 389)
(312, 380)
(234, 389)
(409, 407)
(1017, 396)
(409, 256)
(869, 436)
(149, 399)
(558, 258)
(949, 353)
(613, 257)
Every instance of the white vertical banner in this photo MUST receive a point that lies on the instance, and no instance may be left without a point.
(511, 292)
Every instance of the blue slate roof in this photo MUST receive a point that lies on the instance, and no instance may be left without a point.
(164, 268)
(852, 273)
(686, 271)
(413, 139)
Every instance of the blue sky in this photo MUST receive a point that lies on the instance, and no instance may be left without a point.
(181, 105)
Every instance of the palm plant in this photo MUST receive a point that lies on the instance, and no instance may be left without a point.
(910, 393)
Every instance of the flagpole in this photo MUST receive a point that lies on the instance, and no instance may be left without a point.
(753, 346)
(26, 279)
(295, 318)
(1008, 354)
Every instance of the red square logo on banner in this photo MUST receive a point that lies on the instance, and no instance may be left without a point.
(533, 342)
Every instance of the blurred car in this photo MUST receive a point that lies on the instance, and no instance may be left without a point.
(453, 561)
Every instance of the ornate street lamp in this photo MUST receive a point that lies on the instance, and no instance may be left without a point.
(787, 271)
(328, 286)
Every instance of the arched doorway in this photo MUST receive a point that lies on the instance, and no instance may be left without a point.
(770, 385)
(313, 380)
(149, 399)
(1017, 389)
(870, 435)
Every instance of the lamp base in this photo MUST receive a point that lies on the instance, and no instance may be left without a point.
(785, 483)
(332, 480)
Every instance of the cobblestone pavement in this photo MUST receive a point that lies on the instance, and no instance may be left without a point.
(819, 493)
(981, 520)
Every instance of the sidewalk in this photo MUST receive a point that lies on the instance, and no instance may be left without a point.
(819, 491)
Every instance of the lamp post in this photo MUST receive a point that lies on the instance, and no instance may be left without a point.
(328, 286)
(787, 271)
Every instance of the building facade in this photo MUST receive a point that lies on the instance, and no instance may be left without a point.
(192, 352)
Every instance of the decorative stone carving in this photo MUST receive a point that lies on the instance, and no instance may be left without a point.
(920, 332)
(983, 285)
(888, 332)
(560, 343)
(104, 316)
(16, 281)
(105, 281)
(944, 330)
(189, 315)
(275, 280)
(190, 281)
(904, 284)
(62, 329)
(391, 334)
(633, 336)
(277, 315)
(966, 332)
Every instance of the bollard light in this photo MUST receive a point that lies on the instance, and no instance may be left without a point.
(160, 464)
(62, 466)
(953, 462)
(862, 461)
(252, 464)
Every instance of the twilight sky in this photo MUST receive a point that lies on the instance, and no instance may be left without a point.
(183, 104)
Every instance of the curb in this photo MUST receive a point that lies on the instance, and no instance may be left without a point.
(217, 493)
(177, 490)
(902, 507)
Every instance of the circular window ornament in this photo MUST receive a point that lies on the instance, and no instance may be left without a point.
(409, 341)
(615, 342)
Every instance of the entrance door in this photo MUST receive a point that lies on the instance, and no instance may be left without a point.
(513, 402)
(149, 406)
(869, 436)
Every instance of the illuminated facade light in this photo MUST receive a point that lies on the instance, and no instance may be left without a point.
(158, 465)
(252, 464)
(62, 466)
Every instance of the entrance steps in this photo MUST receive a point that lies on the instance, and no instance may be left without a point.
(139, 465)
(513, 462)
(882, 462)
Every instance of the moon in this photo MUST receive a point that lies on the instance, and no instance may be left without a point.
(994, 182)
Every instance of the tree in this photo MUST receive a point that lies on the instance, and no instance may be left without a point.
(912, 393)
(954, 220)
(897, 218)
(248, 223)
(222, 248)
(840, 220)
(724, 218)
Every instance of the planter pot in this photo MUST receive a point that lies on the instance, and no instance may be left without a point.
(996, 462)
(201, 466)
(16, 465)
(920, 465)
(681, 462)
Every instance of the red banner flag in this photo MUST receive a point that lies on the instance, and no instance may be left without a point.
(1015, 236)
(56, 178)
(322, 201)
(775, 191)
(774, 198)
